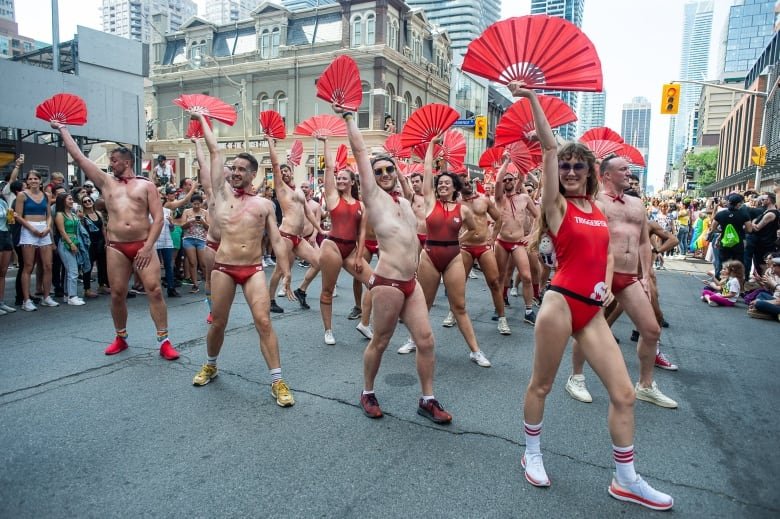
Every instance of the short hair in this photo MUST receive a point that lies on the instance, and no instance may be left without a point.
(125, 153)
(633, 177)
(253, 165)
(383, 156)
(196, 198)
(577, 150)
(17, 186)
(57, 174)
(771, 196)
(416, 174)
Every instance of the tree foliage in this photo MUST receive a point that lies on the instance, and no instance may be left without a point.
(704, 164)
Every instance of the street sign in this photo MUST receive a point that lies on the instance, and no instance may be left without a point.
(691, 186)
(464, 122)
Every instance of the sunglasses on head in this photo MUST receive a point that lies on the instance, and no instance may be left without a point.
(386, 169)
(568, 166)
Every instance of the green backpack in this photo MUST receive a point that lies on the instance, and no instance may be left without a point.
(730, 237)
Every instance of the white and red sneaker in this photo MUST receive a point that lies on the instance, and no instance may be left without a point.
(664, 363)
(534, 470)
(641, 493)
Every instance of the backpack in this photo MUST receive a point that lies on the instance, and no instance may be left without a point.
(730, 237)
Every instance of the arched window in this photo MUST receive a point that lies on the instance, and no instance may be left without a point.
(407, 108)
(275, 39)
(370, 29)
(417, 103)
(390, 103)
(364, 111)
(356, 37)
(263, 103)
(265, 44)
(281, 104)
(393, 34)
(198, 53)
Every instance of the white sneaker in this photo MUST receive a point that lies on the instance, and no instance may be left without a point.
(329, 339)
(281, 292)
(3, 312)
(503, 326)
(653, 395)
(473, 275)
(408, 347)
(49, 302)
(335, 293)
(641, 493)
(7, 309)
(28, 306)
(513, 292)
(448, 321)
(265, 263)
(534, 470)
(367, 331)
(479, 358)
(271, 261)
(76, 301)
(575, 386)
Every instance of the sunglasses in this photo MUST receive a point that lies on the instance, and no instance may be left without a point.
(86, 200)
(509, 179)
(381, 171)
(568, 166)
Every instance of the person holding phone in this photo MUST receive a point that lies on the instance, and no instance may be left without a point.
(195, 224)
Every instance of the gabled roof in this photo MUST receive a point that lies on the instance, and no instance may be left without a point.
(270, 7)
(196, 21)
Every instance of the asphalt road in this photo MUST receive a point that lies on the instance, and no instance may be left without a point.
(86, 435)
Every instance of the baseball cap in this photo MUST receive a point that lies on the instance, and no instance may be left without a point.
(735, 198)
(89, 183)
(170, 190)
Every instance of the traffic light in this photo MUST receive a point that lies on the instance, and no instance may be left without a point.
(322, 161)
(670, 99)
(480, 127)
(759, 155)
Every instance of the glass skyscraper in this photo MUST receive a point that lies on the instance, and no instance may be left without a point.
(221, 12)
(132, 19)
(748, 31)
(591, 112)
(572, 11)
(635, 129)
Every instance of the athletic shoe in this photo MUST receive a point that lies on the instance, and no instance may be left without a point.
(48, 301)
(576, 387)
(276, 308)
(641, 493)
(28, 306)
(270, 261)
(506, 302)
(7, 309)
(370, 406)
(301, 296)
(534, 470)
(282, 394)
(448, 321)
(167, 351)
(757, 314)
(513, 291)
(119, 345)
(433, 411)
(635, 336)
(537, 301)
(653, 395)
(473, 275)
(266, 264)
(355, 313)
(503, 326)
(530, 317)
(205, 375)
(408, 347)
(662, 362)
(710, 301)
(75, 301)
(479, 358)
(173, 293)
(209, 319)
(281, 292)
(329, 339)
(367, 331)
(3, 312)
(304, 264)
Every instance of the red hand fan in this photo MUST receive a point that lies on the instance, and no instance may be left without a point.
(272, 124)
(393, 147)
(480, 187)
(63, 108)
(518, 122)
(414, 167)
(195, 129)
(209, 106)
(426, 123)
(492, 157)
(324, 125)
(341, 157)
(632, 155)
(545, 52)
(453, 149)
(340, 83)
(296, 153)
(458, 169)
(525, 156)
(601, 148)
(490, 176)
(601, 133)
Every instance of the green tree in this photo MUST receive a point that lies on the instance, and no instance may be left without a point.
(704, 164)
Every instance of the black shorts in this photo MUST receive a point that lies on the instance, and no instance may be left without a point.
(5, 241)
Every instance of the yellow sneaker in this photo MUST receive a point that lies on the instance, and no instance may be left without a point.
(205, 375)
(282, 394)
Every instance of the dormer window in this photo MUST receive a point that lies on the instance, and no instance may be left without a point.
(356, 37)
(269, 43)
(362, 29)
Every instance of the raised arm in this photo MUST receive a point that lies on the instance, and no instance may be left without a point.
(429, 192)
(282, 189)
(329, 177)
(499, 189)
(205, 169)
(406, 189)
(93, 172)
(218, 184)
(369, 190)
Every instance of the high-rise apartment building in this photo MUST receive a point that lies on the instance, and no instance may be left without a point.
(591, 112)
(694, 60)
(7, 10)
(464, 21)
(294, 5)
(226, 11)
(133, 18)
(635, 129)
(748, 30)
(571, 10)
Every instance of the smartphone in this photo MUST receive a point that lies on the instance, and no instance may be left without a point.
(197, 217)
(21, 156)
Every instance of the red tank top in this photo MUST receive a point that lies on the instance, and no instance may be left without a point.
(581, 247)
(345, 220)
(443, 225)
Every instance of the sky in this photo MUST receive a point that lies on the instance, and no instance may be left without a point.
(638, 42)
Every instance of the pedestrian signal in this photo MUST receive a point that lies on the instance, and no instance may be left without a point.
(322, 161)
(480, 127)
(670, 99)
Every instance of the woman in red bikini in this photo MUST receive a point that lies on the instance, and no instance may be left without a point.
(572, 307)
(344, 245)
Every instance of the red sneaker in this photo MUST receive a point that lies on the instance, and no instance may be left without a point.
(433, 411)
(370, 406)
(209, 318)
(117, 346)
(664, 363)
(167, 351)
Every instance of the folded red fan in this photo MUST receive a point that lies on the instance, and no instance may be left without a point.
(341, 157)
(195, 129)
(272, 124)
(340, 83)
(393, 147)
(63, 108)
(492, 157)
(632, 155)
(412, 168)
(601, 148)
(518, 122)
(545, 52)
(601, 133)
(426, 123)
(525, 156)
(296, 153)
(453, 150)
(208, 106)
(324, 125)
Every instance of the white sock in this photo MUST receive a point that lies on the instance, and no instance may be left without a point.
(367, 392)
(624, 464)
(211, 361)
(276, 374)
(427, 398)
(533, 438)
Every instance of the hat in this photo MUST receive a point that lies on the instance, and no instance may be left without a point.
(170, 190)
(160, 157)
(89, 183)
(776, 260)
(735, 198)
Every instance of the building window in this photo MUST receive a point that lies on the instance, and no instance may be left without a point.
(370, 29)
(265, 44)
(364, 112)
(357, 32)
(390, 102)
(394, 35)
(198, 53)
(407, 108)
(275, 39)
(281, 104)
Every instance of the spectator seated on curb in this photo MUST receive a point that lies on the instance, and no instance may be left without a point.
(765, 305)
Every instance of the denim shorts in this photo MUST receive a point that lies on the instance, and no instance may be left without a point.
(193, 243)
(5, 241)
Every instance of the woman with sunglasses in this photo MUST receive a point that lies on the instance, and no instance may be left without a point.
(572, 307)
(93, 223)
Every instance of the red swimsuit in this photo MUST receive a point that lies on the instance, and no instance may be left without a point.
(345, 226)
(441, 244)
(239, 273)
(581, 246)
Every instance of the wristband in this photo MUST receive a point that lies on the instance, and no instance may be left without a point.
(347, 114)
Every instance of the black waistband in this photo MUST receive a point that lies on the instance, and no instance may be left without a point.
(434, 243)
(574, 295)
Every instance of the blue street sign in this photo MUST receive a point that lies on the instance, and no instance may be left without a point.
(464, 122)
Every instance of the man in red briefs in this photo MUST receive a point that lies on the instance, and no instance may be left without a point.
(393, 286)
(630, 246)
(130, 200)
(241, 218)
